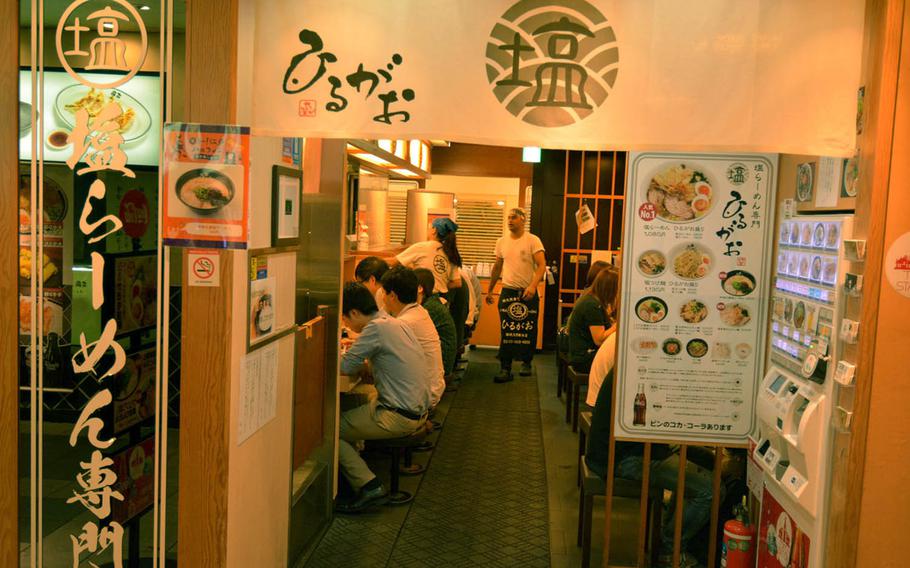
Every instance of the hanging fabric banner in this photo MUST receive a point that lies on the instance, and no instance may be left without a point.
(713, 75)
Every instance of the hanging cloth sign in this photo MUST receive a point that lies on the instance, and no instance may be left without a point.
(714, 75)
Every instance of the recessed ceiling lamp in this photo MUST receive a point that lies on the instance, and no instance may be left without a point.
(501, 203)
(145, 8)
(530, 154)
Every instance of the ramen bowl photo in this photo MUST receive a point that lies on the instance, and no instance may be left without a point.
(204, 190)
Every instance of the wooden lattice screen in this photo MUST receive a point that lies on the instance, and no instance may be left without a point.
(598, 180)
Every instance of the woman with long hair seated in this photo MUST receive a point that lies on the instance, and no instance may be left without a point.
(592, 319)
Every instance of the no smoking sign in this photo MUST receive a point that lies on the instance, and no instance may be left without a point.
(204, 269)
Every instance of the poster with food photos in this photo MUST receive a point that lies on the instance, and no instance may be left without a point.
(696, 266)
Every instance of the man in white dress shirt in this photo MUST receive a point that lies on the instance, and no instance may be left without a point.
(400, 286)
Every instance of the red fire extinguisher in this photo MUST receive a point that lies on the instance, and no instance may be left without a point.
(738, 548)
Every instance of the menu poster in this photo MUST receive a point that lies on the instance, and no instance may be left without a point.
(135, 469)
(135, 202)
(781, 542)
(206, 186)
(134, 402)
(135, 297)
(262, 309)
(695, 279)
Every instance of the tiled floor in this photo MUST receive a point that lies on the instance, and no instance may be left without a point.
(500, 490)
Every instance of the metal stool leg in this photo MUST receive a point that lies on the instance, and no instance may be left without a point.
(396, 496)
(409, 467)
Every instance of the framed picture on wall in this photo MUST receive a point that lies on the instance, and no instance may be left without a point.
(287, 190)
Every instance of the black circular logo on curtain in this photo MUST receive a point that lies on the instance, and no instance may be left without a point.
(552, 62)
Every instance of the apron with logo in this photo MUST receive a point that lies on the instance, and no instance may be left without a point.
(518, 325)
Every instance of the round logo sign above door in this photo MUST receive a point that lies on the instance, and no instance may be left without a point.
(552, 63)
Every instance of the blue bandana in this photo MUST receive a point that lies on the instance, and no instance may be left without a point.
(444, 226)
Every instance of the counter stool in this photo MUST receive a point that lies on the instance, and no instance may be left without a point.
(574, 382)
(593, 485)
(399, 447)
(584, 430)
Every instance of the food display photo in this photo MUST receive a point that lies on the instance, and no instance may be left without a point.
(680, 193)
(135, 283)
(134, 108)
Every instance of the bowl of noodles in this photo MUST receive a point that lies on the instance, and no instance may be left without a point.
(734, 315)
(680, 194)
(651, 309)
(693, 311)
(697, 348)
(204, 190)
(738, 283)
(652, 263)
(691, 261)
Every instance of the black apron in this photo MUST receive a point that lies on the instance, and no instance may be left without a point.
(518, 325)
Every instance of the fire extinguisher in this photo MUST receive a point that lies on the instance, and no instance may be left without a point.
(738, 548)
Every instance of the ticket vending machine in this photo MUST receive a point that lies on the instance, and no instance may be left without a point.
(799, 395)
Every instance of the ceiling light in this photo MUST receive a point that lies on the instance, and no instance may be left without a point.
(530, 154)
(144, 8)
(501, 203)
(373, 159)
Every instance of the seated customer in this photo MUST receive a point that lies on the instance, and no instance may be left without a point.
(629, 464)
(400, 285)
(399, 372)
(590, 320)
(442, 319)
(369, 272)
(593, 271)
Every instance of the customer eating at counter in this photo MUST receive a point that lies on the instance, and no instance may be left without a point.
(442, 319)
(400, 285)
(398, 364)
(591, 320)
(521, 261)
(369, 272)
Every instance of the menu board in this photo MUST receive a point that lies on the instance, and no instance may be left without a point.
(805, 313)
(696, 273)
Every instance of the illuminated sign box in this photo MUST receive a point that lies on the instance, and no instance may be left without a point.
(140, 99)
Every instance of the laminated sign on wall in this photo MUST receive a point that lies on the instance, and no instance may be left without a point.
(721, 75)
(695, 295)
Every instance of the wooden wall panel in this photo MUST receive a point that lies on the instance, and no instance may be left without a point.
(882, 48)
(309, 389)
(9, 368)
(211, 97)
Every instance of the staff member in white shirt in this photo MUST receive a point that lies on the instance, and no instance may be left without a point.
(400, 285)
(439, 255)
(521, 261)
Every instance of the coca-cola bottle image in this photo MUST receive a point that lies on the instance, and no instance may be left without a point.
(640, 407)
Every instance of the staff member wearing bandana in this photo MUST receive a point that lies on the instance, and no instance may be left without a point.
(439, 254)
(521, 261)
